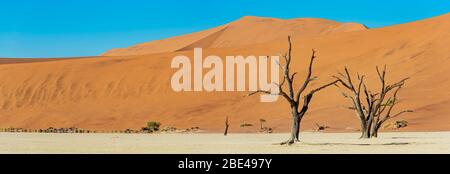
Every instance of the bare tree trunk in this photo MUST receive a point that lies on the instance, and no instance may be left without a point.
(299, 121)
(368, 130)
(375, 130)
(226, 127)
(375, 134)
(364, 130)
(295, 129)
(365, 133)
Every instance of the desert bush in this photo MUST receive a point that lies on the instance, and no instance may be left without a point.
(169, 129)
(321, 127)
(401, 124)
(266, 130)
(262, 121)
(128, 131)
(153, 126)
(145, 130)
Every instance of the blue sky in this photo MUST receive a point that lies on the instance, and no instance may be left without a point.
(68, 28)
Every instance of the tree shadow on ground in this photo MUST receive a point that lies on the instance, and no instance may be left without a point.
(354, 144)
(404, 137)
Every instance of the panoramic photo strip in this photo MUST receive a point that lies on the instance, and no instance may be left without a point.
(180, 78)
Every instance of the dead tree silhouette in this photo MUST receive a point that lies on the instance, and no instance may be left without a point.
(227, 125)
(378, 106)
(293, 97)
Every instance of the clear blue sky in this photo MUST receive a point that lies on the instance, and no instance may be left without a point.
(67, 28)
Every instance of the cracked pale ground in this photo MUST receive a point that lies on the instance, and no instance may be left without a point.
(406, 142)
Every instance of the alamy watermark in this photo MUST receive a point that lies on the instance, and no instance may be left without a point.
(259, 75)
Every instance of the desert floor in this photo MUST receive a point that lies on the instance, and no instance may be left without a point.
(405, 142)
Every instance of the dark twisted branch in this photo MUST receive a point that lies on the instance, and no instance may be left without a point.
(391, 106)
(308, 77)
(308, 97)
(347, 82)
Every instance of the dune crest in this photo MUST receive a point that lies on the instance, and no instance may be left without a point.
(245, 31)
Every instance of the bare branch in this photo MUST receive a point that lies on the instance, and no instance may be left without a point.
(345, 95)
(286, 58)
(282, 93)
(391, 106)
(323, 87)
(289, 54)
(361, 81)
(282, 82)
(349, 79)
(279, 64)
(384, 106)
(343, 82)
(400, 113)
(293, 76)
(260, 91)
(391, 117)
(393, 102)
(227, 125)
(342, 75)
(369, 97)
(308, 77)
(381, 75)
(395, 85)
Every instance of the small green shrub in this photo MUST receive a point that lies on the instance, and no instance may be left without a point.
(153, 126)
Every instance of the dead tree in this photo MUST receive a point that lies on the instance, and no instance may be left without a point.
(262, 121)
(372, 109)
(226, 127)
(293, 97)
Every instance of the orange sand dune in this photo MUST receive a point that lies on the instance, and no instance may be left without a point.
(245, 31)
(119, 92)
(31, 60)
